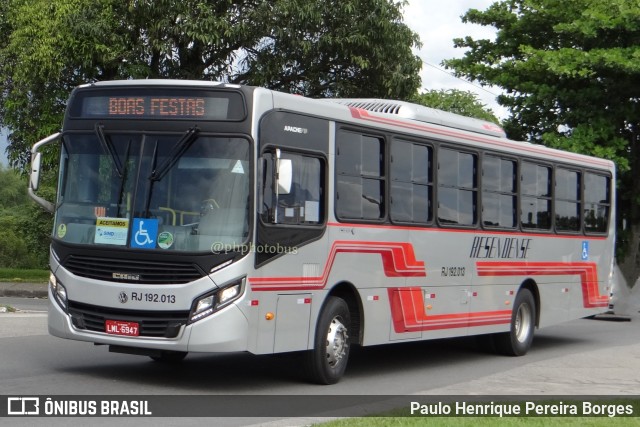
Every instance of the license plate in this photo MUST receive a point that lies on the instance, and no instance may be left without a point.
(118, 327)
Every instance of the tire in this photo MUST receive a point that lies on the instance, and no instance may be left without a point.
(170, 356)
(518, 340)
(327, 361)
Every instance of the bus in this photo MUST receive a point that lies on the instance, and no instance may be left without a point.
(204, 217)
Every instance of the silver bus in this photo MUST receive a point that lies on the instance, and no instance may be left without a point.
(208, 217)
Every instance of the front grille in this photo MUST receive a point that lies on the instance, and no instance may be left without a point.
(159, 324)
(127, 270)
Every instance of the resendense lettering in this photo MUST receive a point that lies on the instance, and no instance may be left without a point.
(500, 247)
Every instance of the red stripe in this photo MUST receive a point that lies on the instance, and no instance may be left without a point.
(588, 272)
(470, 231)
(398, 260)
(360, 114)
(408, 314)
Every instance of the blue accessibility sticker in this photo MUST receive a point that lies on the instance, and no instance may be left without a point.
(585, 250)
(144, 233)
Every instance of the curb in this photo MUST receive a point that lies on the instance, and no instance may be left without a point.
(23, 290)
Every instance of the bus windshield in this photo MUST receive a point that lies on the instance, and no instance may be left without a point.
(166, 192)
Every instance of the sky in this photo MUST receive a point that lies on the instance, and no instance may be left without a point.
(437, 24)
(3, 147)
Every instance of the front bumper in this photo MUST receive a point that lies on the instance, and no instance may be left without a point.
(224, 331)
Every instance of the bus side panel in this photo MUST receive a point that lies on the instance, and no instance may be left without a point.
(590, 295)
(491, 304)
(365, 258)
(292, 322)
(446, 285)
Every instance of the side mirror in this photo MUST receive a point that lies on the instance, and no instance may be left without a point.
(285, 176)
(35, 171)
(34, 179)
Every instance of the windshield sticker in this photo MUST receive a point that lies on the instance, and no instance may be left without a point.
(110, 231)
(238, 168)
(144, 233)
(165, 240)
(62, 230)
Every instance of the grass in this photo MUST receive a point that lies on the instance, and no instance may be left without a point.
(483, 422)
(25, 276)
(399, 417)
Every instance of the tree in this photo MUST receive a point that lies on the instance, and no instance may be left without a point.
(570, 73)
(25, 227)
(314, 48)
(457, 101)
(334, 48)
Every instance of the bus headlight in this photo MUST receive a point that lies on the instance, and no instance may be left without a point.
(59, 291)
(211, 302)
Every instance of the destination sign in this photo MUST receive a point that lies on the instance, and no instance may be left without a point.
(170, 107)
(154, 104)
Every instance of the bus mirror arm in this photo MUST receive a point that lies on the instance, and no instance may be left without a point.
(34, 179)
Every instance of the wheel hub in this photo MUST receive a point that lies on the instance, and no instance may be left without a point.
(337, 342)
(523, 322)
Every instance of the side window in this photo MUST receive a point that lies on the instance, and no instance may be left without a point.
(535, 203)
(567, 200)
(457, 187)
(411, 182)
(499, 192)
(303, 204)
(597, 201)
(359, 176)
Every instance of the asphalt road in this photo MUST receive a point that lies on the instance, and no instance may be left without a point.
(25, 304)
(583, 357)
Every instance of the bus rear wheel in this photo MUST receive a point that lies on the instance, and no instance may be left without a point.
(327, 361)
(518, 340)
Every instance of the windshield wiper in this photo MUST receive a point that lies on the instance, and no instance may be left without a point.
(107, 146)
(123, 179)
(154, 160)
(176, 152)
(159, 172)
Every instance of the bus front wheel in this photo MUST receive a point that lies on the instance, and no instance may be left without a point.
(327, 361)
(518, 340)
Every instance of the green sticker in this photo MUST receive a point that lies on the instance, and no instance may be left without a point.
(62, 230)
(165, 240)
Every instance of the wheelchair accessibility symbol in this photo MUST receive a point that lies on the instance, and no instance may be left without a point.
(144, 233)
(585, 251)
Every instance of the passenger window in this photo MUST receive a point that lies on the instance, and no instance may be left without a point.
(360, 176)
(499, 192)
(457, 187)
(411, 182)
(597, 200)
(535, 203)
(567, 200)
